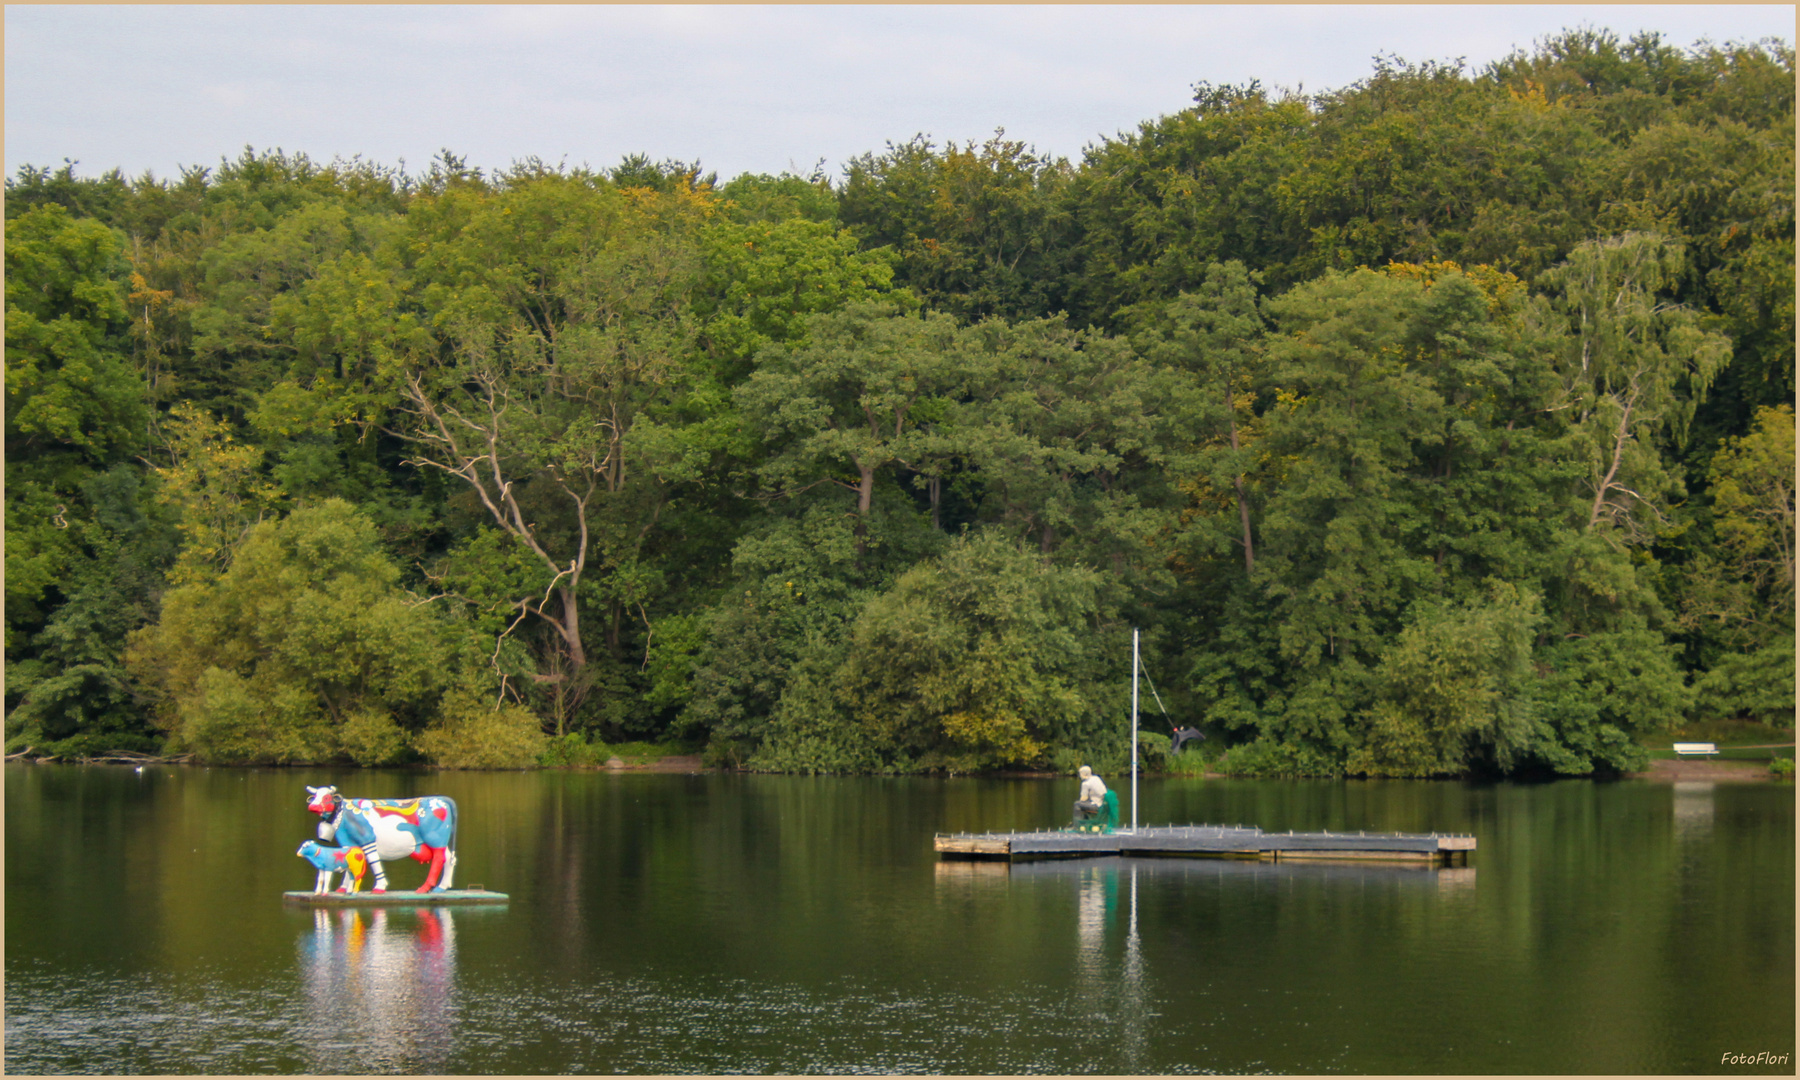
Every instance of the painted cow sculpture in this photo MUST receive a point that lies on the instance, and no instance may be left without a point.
(423, 829)
(350, 861)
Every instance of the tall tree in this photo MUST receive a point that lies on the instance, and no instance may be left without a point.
(1740, 597)
(856, 400)
(978, 230)
(978, 658)
(1214, 334)
(564, 311)
(82, 543)
(67, 382)
(1637, 367)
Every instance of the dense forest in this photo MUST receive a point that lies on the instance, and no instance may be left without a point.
(1441, 424)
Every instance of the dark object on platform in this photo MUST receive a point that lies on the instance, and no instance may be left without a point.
(1186, 735)
(1103, 818)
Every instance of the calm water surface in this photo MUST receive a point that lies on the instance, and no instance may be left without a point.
(715, 924)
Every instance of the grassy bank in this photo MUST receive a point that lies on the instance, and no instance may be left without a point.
(1737, 740)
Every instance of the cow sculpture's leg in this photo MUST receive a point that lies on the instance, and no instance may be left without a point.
(323, 885)
(354, 867)
(449, 870)
(374, 858)
(437, 867)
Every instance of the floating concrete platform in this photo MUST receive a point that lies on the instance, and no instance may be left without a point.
(404, 898)
(954, 874)
(1215, 840)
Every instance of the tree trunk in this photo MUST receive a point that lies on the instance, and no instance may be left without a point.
(865, 498)
(1621, 435)
(570, 628)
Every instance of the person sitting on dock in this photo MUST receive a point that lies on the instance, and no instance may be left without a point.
(1093, 794)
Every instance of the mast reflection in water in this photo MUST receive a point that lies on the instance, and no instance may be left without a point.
(1113, 982)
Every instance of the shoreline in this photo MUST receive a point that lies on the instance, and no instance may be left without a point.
(1672, 770)
(1661, 770)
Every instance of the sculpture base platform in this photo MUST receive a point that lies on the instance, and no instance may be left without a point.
(398, 898)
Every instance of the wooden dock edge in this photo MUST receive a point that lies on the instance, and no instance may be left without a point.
(1449, 851)
(973, 847)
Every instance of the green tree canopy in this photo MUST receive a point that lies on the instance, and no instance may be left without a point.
(305, 649)
(984, 656)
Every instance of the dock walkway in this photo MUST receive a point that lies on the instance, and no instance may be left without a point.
(1217, 840)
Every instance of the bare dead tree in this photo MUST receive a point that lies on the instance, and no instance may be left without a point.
(466, 435)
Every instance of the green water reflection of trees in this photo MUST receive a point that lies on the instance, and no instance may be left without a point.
(1591, 918)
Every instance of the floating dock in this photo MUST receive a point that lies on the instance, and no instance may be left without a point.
(1412, 874)
(405, 898)
(1229, 841)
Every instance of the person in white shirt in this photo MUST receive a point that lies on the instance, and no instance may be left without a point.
(1093, 792)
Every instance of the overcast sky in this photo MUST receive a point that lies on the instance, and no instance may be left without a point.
(741, 88)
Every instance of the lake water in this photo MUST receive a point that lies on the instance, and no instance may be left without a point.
(729, 923)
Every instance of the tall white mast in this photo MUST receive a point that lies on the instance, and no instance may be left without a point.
(1134, 725)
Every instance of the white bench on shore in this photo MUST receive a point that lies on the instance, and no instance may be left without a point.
(1690, 749)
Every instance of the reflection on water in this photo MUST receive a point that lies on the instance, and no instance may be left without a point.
(1098, 889)
(1111, 988)
(1133, 1004)
(1114, 983)
(380, 987)
(667, 924)
(1694, 809)
(965, 872)
(1456, 881)
(1410, 875)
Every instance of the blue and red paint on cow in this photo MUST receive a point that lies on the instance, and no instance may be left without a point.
(422, 829)
(349, 861)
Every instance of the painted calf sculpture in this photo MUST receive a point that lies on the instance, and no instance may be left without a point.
(331, 860)
(423, 829)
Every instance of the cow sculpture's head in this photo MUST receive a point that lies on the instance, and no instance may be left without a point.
(321, 800)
